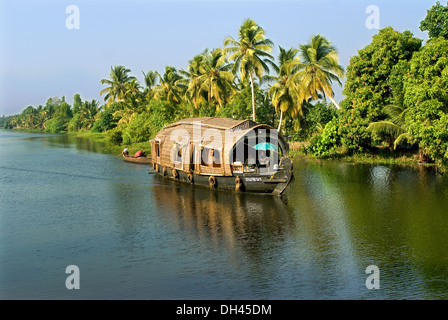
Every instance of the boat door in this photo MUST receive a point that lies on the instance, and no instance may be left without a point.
(192, 161)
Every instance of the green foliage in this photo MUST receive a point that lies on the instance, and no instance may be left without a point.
(241, 105)
(139, 129)
(428, 126)
(115, 135)
(215, 79)
(251, 54)
(77, 103)
(318, 115)
(116, 84)
(75, 123)
(162, 114)
(206, 110)
(315, 117)
(426, 97)
(5, 121)
(348, 130)
(326, 143)
(55, 125)
(170, 88)
(145, 125)
(105, 122)
(374, 81)
(354, 137)
(318, 68)
(393, 129)
(61, 115)
(436, 21)
(368, 86)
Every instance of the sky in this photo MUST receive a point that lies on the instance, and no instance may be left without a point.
(55, 48)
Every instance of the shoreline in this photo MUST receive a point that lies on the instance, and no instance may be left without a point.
(405, 159)
(113, 147)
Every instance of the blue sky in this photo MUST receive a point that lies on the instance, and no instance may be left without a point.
(41, 58)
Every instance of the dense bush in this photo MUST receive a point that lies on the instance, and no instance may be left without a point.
(426, 97)
(373, 82)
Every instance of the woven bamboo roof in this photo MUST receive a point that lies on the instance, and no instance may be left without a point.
(215, 122)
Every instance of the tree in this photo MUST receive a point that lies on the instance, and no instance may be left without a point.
(374, 81)
(216, 79)
(60, 118)
(77, 103)
(169, 88)
(319, 68)
(133, 95)
(284, 93)
(150, 79)
(119, 77)
(394, 126)
(105, 121)
(251, 54)
(131, 102)
(88, 113)
(436, 21)
(29, 118)
(426, 97)
(194, 91)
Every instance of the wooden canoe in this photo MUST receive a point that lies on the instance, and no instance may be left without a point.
(142, 160)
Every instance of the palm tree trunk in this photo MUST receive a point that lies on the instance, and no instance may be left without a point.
(253, 96)
(334, 102)
(280, 123)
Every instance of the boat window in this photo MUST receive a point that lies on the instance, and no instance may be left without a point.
(177, 153)
(157, 149)
(211, 157)
(205, 156)
(192, 155)
(216, 158)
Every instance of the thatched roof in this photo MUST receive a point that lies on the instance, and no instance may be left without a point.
(215, 122)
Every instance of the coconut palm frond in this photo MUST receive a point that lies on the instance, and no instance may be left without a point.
(386, 127)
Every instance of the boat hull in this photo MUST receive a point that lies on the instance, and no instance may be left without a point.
(142, 160)
(268, 183)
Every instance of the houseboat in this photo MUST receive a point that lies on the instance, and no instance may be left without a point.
(223, 153)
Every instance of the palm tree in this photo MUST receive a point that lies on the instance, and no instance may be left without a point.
(319, 67)
(169, 88)
(194, 91)
(150, 79)
(395, 128)
(131, 102)
(88, 112)
(132, 91)
(251, 53)
(283, 93)
(216, 79)
(119, 77)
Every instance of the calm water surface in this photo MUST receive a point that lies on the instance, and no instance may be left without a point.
(134, 235)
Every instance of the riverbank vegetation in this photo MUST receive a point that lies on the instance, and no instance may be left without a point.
(395, 102)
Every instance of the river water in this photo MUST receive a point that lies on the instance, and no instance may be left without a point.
(134, 235)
